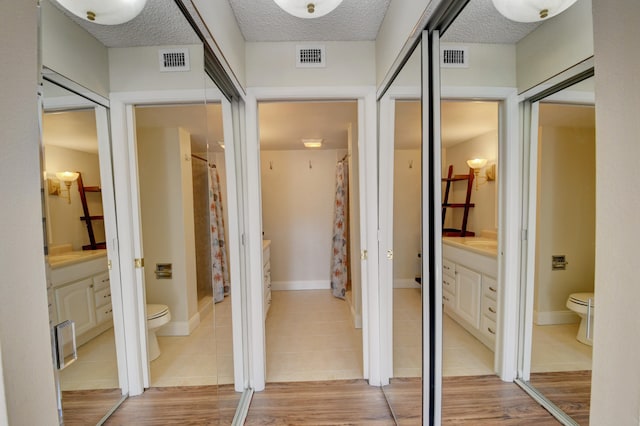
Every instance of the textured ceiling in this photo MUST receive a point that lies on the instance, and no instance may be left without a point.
(160, 23)
(480, 22)
(352, 20)
(283, 125)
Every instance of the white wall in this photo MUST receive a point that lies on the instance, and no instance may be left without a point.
(221, 21)
(407, 216)
(399, 22)
(166, 199)
(27, 371)
(556, 45)
(72, 52)
(138, 69)
(615, 395)
(566, 219)
(490, 65)
(65, 226)
(297, 214)
(484, 215)
(274, 64)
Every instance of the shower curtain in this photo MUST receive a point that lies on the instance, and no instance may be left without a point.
(219, 266)
(340, 252)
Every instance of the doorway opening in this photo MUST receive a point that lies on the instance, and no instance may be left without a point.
(181, 168)
(470, 131)
(311, 234)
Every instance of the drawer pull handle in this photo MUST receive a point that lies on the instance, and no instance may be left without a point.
(106, 295)
(491, 331)
(493, 311)
(445, 298)
(492, 289)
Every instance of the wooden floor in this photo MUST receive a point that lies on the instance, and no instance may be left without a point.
(193, 405)
(483, 400)
(569, 390)
(88, 407)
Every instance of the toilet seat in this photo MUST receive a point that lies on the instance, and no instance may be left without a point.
(156, 311)
(582, 299)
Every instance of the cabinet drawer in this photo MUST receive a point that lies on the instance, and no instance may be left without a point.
(449, 284)
(104, 313)
(101, 281)
(448, 267)
(489, 308)
(103, 297)
(488, 327)
(490, 287)
(449, 299)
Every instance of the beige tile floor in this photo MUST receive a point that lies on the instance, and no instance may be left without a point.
(555, 348)
(462, 354)
(310, 336)
(203, 358)
(96, 366)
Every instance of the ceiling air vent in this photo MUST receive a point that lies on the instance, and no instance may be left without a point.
(454, 57)
(310, 56)
(174, 59)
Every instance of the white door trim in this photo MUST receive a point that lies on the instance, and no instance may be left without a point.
(386, 191)
(129, 226)
(367, 143)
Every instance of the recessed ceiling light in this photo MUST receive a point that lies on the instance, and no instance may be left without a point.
(312, 143)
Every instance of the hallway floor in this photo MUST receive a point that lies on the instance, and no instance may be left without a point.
(310, 336)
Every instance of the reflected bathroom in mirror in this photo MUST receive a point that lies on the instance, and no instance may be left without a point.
(564, 303)
(80, 289)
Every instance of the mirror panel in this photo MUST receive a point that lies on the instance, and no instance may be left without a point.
(400, 165)
(564, 303)
(78, 274)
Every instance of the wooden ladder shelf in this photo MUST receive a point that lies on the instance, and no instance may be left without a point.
(454, 232)
(88, 218)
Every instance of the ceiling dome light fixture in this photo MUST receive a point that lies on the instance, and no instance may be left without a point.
(531, 10)
(111, 12)
(308, 8)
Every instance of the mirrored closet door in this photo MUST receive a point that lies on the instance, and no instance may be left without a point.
(560, 286)
(82, 258)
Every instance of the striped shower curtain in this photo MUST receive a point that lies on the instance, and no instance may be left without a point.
(340, 252)
(219, 266)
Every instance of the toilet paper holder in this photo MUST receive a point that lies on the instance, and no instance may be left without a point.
(164, 271)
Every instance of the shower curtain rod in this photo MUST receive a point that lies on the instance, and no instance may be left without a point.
(202, 159)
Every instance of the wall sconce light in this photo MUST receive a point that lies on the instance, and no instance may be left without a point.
(531, 10)
(68, 178)
(112, 12)
(478, 163)
(308, 8)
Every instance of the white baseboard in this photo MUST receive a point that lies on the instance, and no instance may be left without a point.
(300, 285)
(405, 283)
(180, 328)
(555, 317)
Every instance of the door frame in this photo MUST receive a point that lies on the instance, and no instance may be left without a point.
(129, 221)
(367, 140)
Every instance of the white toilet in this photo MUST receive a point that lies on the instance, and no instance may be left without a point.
(583, 305)
(157, 316)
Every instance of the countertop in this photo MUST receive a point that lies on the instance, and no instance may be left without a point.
(67, 258)
(481, 245)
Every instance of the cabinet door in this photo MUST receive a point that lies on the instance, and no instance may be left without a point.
(468, 290)
(75, 302)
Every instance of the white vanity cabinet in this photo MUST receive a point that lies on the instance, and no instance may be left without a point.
(266, 271)
(74, 301)
(469, 291)
(81, 293)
